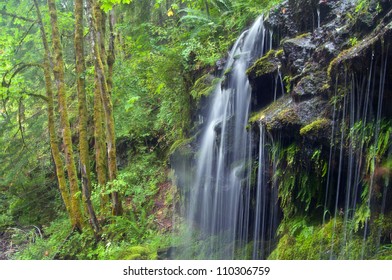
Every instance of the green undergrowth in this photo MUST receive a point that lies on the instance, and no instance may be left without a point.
(60, 242)
(134, 235)
(303, 238)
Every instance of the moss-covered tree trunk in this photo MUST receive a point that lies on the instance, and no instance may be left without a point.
(99, 127)
(107, 102)
(82, 109)
(111, 52)
(51, 117)
(58, 70)
(98, 50)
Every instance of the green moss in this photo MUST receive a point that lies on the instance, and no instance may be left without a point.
(265, 65)
(279, 53)
(315, 127)
(304, 35)
(204, 86)
(325, 87)
(287, 83)
(136, 253)
(255, 117)
(270, 110)
(181, 144)
(336, 61)
(228, 71)
(287, 117)
(301, 239)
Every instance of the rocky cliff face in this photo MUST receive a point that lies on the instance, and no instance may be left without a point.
(310, 60)
(323, 94)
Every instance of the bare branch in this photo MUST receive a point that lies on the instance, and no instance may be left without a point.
(4, 13)
(17, 68)
(24, 36)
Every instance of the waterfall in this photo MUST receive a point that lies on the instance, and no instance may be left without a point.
(358, 126)
(218, 210)
(323, 179)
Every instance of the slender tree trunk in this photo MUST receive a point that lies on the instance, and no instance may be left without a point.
(51, 119)
(82, 108)
(111, 138)
(100, 145)
(99, 53)
(64, 121)
(111, 53)
(99, 126)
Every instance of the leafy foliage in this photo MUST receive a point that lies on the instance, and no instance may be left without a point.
(162, 48)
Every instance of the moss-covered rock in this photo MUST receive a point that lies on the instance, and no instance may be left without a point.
(315, 128)
(287, 116)
(358, 55)
(268, 64)
(318, 131)
(310, 85)
(204, 86)
(297, 51)
(263, 76)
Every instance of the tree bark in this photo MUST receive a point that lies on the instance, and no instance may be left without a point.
(51, 118)
(82, 109)
(98, 54)
(64, 120)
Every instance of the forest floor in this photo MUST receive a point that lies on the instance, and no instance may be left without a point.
(163, 212)
(6, 246)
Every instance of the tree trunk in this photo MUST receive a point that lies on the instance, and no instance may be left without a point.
(111, 53)
(99, 53)
(82, 109)
(51, 119)
(64, 121)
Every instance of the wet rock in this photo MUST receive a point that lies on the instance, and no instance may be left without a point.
(318, 131)
(359, 55)
(304, 13)
(265, 66)
(325, 52)
(310, 62)
(263, 75)
(281, 22)
(297, 51)
(315, 83)
(286, 117)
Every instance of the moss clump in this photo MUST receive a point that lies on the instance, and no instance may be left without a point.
(137, 253)
(204, 86)
(303, 240)
(257, 116)
(286, 117)
(279, 53)
(314, 128)
(269, 112)
(267, 64)
(303, 35)
(336, 61)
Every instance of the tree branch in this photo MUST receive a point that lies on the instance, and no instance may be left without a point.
(24, 36)
(4, 13)
(43, 97)
(17, 68)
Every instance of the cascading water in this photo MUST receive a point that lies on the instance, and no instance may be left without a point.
(219, 212)
(351, 187)
(315, 163)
